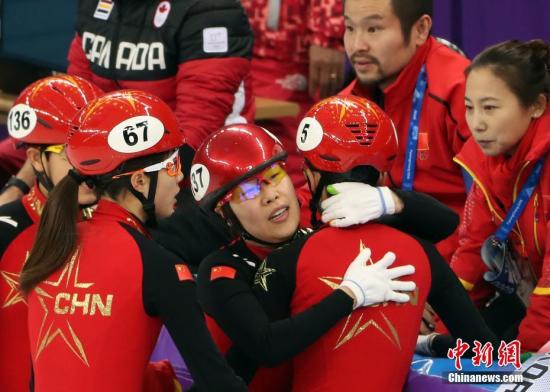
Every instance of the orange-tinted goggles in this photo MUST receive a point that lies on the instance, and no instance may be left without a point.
(251, 187)
(172, 164)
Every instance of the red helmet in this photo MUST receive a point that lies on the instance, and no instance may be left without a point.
(229, 156)
(340, 133)
(120, 126)
(44, 112)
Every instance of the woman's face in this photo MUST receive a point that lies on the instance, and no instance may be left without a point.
(273, 215)
(167, 189)
(494, 114)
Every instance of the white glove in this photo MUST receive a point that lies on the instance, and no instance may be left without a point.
(376, 283)
(424, 344)
(355, 203)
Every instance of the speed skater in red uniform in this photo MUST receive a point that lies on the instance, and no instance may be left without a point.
(351, 139)
(88, 284)
(41, 119)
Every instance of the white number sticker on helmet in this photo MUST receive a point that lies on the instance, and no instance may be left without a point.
(21, 121)
(200, 179)
(136, 134)
(309, 135)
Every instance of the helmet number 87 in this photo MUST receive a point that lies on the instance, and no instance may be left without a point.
(196, 177)
(131, 137)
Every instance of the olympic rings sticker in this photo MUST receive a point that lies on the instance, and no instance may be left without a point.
(21, 121)
(309, 135)
(200, 180)
(136, 134)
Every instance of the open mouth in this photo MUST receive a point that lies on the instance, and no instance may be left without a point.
(279, 214)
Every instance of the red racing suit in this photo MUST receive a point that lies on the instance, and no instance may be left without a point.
(496, 184)
(280, 64)
(94, 322)
(372, 347)
(195, 55)
(18, 229)
(442, 128)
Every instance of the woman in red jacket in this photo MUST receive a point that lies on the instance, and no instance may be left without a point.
(504, 233)
(99, 291)
(40, 119)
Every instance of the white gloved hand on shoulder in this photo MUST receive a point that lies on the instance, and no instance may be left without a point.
(376, 283)
(356, 203)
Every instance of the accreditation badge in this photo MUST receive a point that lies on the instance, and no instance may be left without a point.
(508, 271)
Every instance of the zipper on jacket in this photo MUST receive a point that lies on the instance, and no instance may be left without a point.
(485, 193)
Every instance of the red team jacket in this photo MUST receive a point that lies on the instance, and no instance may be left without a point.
(346, 358)
(194, 55)
(93, 324)
(18, 229)
(496, 183)
(442, 128)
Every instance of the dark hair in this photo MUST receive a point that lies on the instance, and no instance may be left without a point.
(523, 66)
(57, 235)
(365, 174)
(409, 11)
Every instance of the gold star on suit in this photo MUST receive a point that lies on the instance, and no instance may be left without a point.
(14, 296)
(356, 325)
(50, 329)
(261, 275)
(12, 280)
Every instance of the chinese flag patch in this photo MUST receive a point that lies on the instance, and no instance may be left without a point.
(222, 272)
(423, 141)
(183, 272)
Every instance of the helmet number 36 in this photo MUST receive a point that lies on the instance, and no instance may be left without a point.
(136, 134)
(21, 121)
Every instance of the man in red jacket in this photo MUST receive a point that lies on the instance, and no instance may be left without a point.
(393, 54)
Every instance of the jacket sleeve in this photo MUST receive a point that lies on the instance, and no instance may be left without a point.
(258, 322)
(326, 24)
(423, 216)
(169, 293)
(534, 330)
(213, 82)
(78, 63)
(476, 225)
(457, 128)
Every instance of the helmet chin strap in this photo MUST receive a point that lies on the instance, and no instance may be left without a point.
(43, 178)
(237, 228)
(148, 202)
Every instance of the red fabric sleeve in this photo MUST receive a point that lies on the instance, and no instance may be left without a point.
(476, 225)
(534, 330)
(210, 93)
(326, 23)
(458, 129)
(78, 63)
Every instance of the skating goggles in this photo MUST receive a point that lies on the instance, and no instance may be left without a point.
(251, 187)
(55, 148)
(172, 165)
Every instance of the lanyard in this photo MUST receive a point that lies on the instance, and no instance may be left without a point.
(412, 142)
(521, 202)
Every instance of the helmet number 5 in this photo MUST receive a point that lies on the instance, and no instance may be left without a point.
(303, 135)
